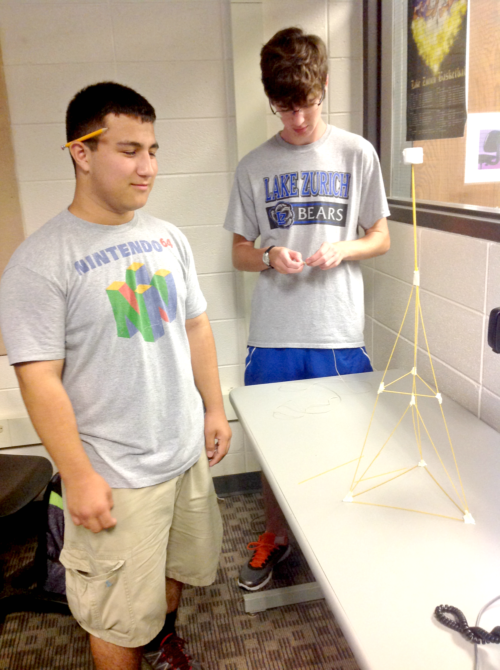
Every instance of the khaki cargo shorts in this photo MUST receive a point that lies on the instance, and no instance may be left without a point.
(115, 579)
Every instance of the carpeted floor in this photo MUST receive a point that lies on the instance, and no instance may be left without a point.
(213, 620)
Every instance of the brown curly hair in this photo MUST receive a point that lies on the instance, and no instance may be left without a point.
(294, 67)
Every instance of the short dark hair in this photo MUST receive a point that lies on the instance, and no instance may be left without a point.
(294, 67)
(87, 109)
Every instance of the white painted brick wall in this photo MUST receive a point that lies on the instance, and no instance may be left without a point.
(178, 55)
(460, 284)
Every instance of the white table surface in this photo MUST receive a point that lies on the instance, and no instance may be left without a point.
(383, 571)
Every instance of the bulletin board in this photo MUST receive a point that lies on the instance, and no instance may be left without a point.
(442, 177)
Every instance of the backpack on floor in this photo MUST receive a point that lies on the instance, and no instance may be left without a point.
(51, 572)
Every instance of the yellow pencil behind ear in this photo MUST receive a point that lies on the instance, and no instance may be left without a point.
(85, 137)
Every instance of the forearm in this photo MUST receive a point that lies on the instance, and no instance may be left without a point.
(375, 242)
(53, 417)
(206, 377)
(204, 362)
(247, 258)
(361, 249)
(88, 496)
(282, 259)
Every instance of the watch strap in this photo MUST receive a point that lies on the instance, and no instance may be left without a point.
(266, 252)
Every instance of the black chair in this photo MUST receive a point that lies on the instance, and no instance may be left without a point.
(22, 479)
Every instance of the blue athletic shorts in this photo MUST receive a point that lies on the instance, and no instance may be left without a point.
(265, 366)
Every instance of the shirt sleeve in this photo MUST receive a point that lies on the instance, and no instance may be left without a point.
(373, 205)
(195, 300)
(32, 316)
(241, 217)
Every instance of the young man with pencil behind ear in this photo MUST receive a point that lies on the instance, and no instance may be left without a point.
(105, 323)
(304, 191)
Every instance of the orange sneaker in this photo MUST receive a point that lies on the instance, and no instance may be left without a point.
(255, 574)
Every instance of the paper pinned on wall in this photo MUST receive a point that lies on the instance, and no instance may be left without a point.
(482, 153)
(436, 105)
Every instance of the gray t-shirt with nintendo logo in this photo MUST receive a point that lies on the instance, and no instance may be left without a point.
(112, 301)
(299, 197)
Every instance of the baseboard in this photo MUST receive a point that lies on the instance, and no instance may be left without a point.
(235, 485)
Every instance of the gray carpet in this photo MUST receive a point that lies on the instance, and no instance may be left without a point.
(213, 620)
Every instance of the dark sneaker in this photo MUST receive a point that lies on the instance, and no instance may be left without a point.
(171, 655)
(259, 569)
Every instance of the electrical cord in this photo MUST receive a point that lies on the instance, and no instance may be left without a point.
(474, 634)
(483, 610)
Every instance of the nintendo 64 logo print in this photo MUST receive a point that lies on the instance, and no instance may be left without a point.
(142, 304)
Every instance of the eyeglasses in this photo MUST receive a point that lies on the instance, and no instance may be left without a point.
(281, 111)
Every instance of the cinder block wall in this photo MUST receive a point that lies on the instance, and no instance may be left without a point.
(460, 284)
(178, 54)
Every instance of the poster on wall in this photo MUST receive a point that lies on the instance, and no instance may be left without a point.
(437, 48)
(482, 148)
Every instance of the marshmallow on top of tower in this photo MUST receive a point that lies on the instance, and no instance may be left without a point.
(413, 155)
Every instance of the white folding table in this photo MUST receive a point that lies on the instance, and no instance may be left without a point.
(382, 570)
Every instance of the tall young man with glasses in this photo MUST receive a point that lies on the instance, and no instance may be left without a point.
(305, 192)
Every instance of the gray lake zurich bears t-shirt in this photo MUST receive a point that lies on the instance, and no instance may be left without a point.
(299, 197)
(112, 301)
